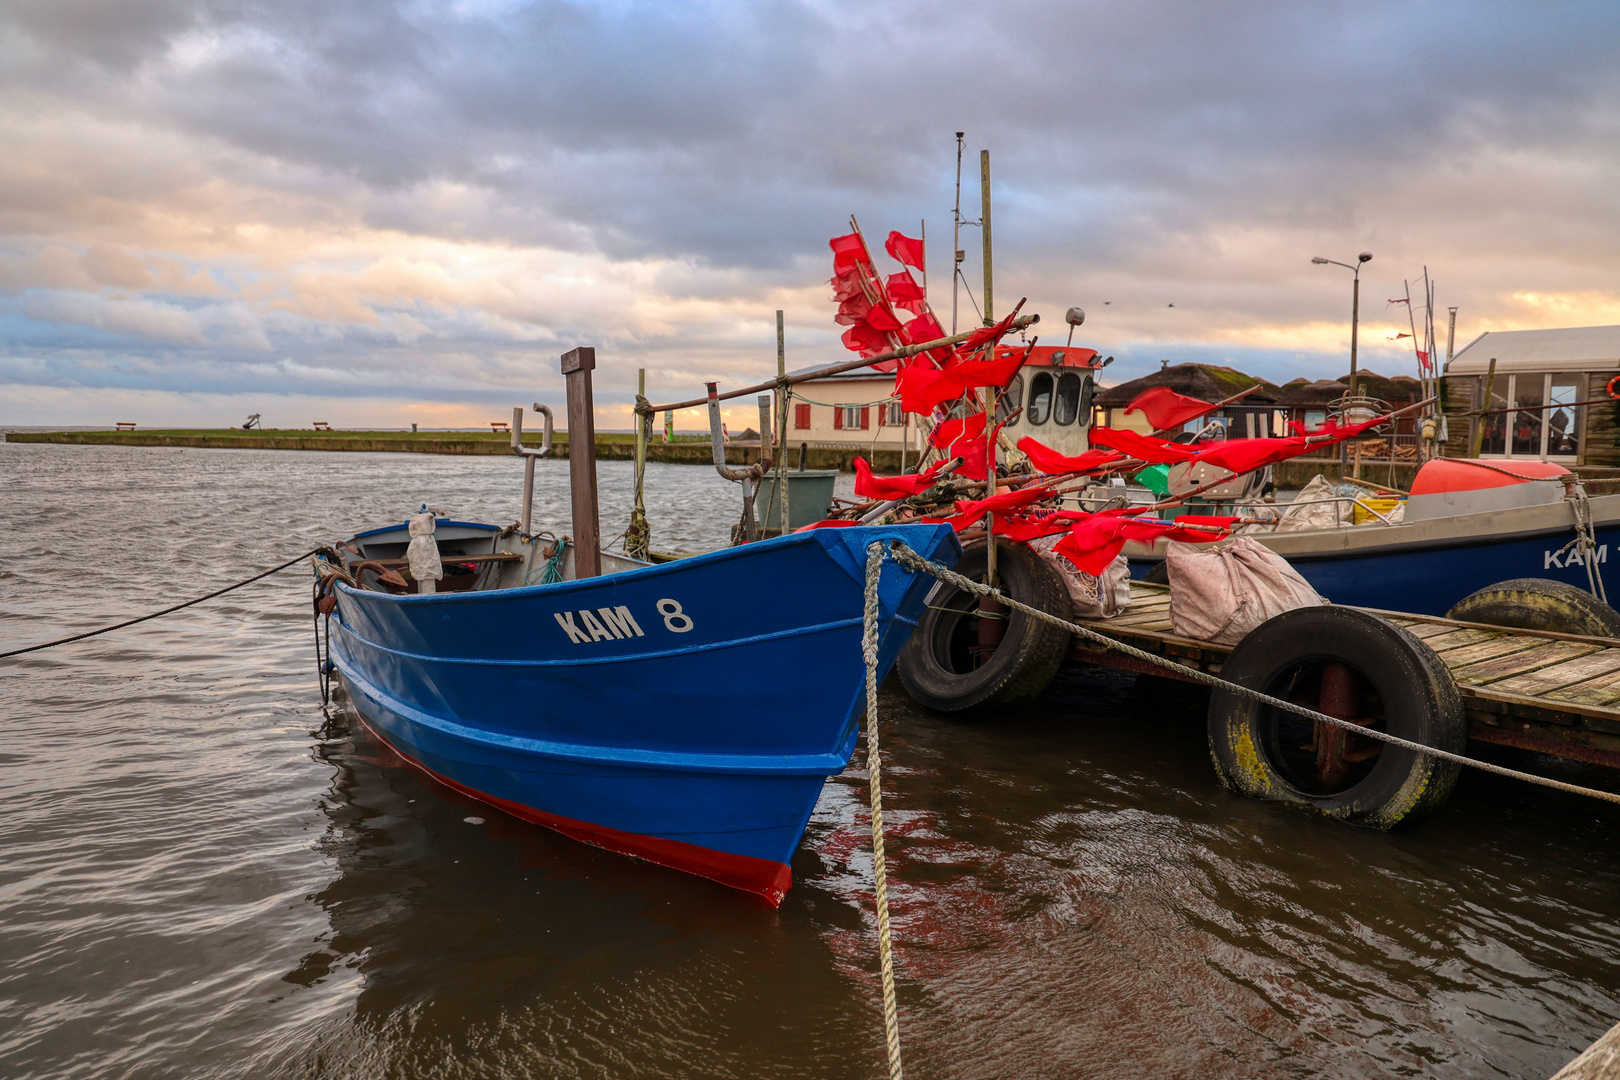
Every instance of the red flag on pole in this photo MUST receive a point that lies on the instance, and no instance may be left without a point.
(847, 251)
(1164, 408)
(906, 250)
(904, 292)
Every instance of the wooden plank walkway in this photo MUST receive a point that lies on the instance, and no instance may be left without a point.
(1553, 693)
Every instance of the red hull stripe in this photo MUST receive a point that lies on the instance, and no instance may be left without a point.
(763, 877)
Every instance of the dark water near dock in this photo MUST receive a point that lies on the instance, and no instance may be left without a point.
(200, 876)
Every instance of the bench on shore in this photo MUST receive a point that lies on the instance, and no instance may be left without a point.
(126, 425)
(322, 425)
(498, 426)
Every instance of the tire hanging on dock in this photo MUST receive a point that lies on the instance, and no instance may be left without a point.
(949, 667)
(1539, 604)
(1355, 666)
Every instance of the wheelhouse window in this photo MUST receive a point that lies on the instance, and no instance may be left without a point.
(1066, 407)
(1040, 398)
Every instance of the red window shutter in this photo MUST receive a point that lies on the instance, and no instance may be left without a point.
(801, 416)
(866, 417)
(838, 418)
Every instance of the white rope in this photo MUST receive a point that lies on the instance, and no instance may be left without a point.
(874, 774)
(911, 560)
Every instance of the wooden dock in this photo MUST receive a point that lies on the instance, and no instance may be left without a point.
(1536, 690)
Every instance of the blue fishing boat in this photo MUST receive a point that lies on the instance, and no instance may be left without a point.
(686, 713)
(1467, 525)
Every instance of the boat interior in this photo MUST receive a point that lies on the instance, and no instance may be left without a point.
(475, 557)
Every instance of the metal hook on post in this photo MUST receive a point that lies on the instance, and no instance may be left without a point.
(748, 477)
(529, 456)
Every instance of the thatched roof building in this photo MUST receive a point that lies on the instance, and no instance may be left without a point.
(1248, 418)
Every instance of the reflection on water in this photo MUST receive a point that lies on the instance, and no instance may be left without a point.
(205, 876)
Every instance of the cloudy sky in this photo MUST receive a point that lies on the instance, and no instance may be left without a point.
(379, 213)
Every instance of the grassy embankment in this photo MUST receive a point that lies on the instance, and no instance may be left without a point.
(610, 446)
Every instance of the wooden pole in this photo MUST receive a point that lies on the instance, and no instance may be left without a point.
(577, 365)
(1479, 422)
(984, 234)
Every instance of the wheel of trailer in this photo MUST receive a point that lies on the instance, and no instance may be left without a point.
(1539, 604)
(953, 663)
(1355, 666)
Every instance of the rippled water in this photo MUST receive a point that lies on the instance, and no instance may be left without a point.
(201, 875)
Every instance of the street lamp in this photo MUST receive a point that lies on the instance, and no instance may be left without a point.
(1355, 305)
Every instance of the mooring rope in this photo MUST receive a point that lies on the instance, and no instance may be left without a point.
(165, 611)
(874, 779)
(910, 559)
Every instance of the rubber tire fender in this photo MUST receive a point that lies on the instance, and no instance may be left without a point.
(1539, 604)
(1029, 655)
(1420, 700)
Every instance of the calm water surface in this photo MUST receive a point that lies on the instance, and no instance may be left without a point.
(203, 875)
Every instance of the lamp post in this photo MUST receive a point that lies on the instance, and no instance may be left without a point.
(1355, 320)
(1355, 305)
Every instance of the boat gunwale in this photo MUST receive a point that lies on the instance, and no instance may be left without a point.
(559, 587)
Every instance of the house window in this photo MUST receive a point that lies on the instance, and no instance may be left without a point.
(850, 417)
(1040, 398)
(1314, 419)
(891, 415)
(801, 416)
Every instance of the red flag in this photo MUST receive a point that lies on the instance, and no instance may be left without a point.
(1246, 455)
(862, 339)
(853, 310)
(879, 317)
(985, 334)
(961, 427)
(905, 249)
(922, 388)
(847, 284)
(1145, 447)
(1026, 527)
(1164, 408)
(870, 486)
(1048, 460)
(1093, 544)
(847, 252)
(904, 292)
(1003, 501)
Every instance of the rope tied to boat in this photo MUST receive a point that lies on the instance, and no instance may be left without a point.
(166, 611)
(912, 561)
(874, 780)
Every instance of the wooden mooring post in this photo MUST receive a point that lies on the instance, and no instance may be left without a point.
(577, 365)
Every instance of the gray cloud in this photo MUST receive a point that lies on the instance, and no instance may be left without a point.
(1145, 154)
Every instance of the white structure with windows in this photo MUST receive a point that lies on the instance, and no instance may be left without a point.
(1540, 376)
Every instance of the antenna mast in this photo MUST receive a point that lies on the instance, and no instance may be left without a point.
(956, 230)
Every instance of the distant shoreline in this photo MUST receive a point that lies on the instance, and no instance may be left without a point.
(610, 445)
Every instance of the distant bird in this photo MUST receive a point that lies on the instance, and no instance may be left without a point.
(1169, 305)
(1107, 302)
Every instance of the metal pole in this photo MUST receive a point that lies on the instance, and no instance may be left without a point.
(990, 478)
(641, 441)
(528, 469)
(577, 365)
(956, 232)
(782, 405)
(1355, 320)
(984, 232)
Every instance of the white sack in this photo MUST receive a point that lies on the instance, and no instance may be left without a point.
(1092, 597)
(1220, 592)
(1305, 512)
(424, 550)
